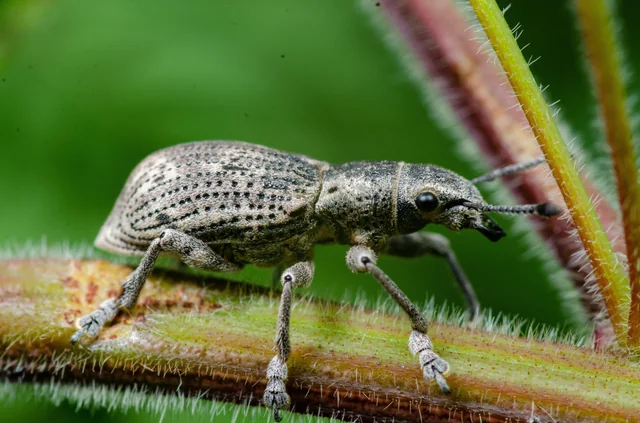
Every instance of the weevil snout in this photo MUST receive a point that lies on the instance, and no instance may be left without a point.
(466, 216)
(490, 229)
(472, 218)
(430, 194)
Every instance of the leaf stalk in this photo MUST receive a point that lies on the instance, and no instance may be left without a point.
(608, 273)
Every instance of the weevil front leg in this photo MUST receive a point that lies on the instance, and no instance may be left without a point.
(190, 250)
(275, 394)
(362, 259)
(421, 243)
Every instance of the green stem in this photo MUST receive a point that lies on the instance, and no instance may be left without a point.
(596, 22)
(609, 275)
(190, 335)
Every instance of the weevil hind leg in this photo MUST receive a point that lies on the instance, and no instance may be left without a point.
(275, 394)
(422, 243)
(362, 259)
(190, 250)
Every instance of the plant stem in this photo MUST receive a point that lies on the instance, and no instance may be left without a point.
(596, 22)
(469, 93)
(610, 276)
(214, 338)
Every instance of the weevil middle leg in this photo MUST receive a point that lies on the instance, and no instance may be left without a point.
(421, 243)
(275, 394)
(190, 250)
(361, 259)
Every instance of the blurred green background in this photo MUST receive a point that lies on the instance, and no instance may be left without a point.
(87, 89)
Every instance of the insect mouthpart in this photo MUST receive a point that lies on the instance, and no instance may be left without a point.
(490, 229)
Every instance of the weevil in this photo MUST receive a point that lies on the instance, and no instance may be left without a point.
(221, 205)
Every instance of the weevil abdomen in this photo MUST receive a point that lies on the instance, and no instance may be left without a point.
(220, 192)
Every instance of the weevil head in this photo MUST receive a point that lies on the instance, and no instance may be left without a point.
(430, 194)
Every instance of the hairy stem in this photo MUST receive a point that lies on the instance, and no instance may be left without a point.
(467, 89)
(596, 22)
(214, 338)
(609, 274)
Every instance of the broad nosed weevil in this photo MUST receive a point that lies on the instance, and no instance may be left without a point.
(221, 205)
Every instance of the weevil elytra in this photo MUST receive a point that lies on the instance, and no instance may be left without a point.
(221, 205)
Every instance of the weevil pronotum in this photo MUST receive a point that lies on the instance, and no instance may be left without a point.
(221, 205)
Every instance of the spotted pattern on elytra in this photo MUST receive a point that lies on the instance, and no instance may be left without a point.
(218, 191)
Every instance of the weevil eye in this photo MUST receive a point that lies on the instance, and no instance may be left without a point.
(427, 201)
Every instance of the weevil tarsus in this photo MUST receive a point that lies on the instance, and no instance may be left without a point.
(299, 275)
(189, 249)
(362, 259)
(223, 205)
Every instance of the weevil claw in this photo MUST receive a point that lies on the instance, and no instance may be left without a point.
(433, 367)
(93, 322)
(276, 413)
(77, 335)
(442, 383)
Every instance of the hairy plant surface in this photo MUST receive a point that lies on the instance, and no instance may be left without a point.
(609, 274)
(213, 338)
(604, 56)
(470, 93)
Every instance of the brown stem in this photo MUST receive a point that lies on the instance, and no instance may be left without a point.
(214, 338)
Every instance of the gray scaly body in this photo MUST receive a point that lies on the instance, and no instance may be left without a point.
(243, 200)
(221, 205)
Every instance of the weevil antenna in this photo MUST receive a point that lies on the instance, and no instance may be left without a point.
(543, 209)
(508, 170)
